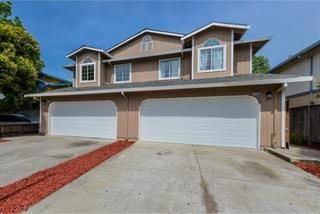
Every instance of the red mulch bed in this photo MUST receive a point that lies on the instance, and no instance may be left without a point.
(3, 141)
(313, 168)
(18, 196)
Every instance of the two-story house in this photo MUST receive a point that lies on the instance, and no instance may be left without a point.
(159, 86)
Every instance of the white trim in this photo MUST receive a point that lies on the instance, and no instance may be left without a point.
(168, 59)
(114, 73)
(99, 69)
(217, 24)
(232, 50)
(142, 32)
(192, 59)
(250, 69)
(207, 97)
(94, 72)
(224, 46)
(177, 87)
(76, 75)
(84, 47)
(283, 117)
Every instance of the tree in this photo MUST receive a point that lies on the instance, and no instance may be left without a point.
(260, 64)
(19, 61)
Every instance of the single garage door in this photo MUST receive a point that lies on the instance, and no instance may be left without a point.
(221, 121)
(83, 118)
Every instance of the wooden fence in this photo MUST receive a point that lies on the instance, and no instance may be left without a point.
(305, 124)
(13, 129)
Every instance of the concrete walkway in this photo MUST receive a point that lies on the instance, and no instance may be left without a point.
(171, 178)
(25, 155)
(296, 154)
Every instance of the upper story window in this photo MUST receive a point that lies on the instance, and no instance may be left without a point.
(87, 70)
(146, 43)
(212, 56)
(122, 73)
(169, 68)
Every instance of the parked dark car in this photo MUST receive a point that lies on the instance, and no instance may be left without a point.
(14, 118)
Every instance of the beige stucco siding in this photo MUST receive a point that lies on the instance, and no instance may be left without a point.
(302, 68)
(161, 43)
(79, 59)
(269, 130)
(148, 69)
(304, 100)
(224, 36)
(242, 59)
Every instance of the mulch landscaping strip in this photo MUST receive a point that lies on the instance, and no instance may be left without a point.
(3, 141)
(18, 196)
(313, 168)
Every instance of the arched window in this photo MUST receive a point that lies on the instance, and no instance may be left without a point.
(87, 72)
(212, 56)
(211, 42)
(146, 43)
(87, 60)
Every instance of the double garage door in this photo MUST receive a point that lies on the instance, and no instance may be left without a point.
(222, 121)
(84, 119)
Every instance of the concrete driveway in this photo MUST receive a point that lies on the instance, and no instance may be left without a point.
(185, 178)
(23, 156)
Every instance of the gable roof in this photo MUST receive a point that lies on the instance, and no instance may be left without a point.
(217, 24)
(296, 56)
(86, 47)
(257, 44)
(58, 79)
(146, 30)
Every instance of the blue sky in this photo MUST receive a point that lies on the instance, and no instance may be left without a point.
(62, 26)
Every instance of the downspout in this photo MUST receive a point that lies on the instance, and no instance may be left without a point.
(40, 117)
(127, 115)
(283, 115)
(192, 58)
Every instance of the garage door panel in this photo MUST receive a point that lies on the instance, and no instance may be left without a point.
(83, 119)
(231, 121)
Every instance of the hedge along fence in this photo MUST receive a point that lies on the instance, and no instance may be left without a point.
(13, 129)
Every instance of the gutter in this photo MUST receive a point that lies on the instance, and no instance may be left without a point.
(174, 87)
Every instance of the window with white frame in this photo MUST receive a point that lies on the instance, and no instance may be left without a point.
(146, 43)
(122, 73)
(212, 56)
(87, 70)
(169, 68)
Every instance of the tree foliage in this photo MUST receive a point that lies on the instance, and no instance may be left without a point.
(19, 61)
(260, 64)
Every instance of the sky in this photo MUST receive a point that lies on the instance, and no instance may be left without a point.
(62, 26)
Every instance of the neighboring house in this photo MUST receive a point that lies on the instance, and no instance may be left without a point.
(48, 82)
(159, 86)
(303, 98)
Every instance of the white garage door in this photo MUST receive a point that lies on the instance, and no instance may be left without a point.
(221, 121)
(83, 119)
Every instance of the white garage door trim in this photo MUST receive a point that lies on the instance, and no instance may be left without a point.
(51, 106)
(207, 97)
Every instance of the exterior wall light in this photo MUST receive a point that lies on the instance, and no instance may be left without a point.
(269, 95)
